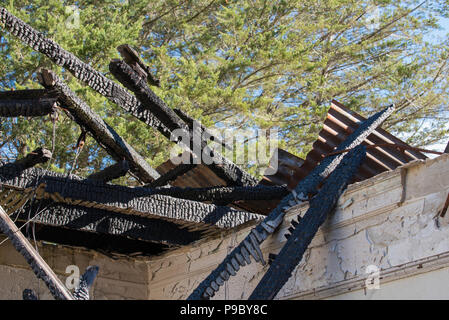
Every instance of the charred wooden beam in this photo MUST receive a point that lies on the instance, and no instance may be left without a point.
(40, 155)
(99, 82)
(91, 122)
(206, 133)
(309, 185)
(112, 172)
(110, 245)
(37, 264)
(226, 194)
(131, 57)
(26, 103)
(321, 206)
(88, 193)
(132, 80)
(79, 69)
(83, 219)
(221, 166)
(25, 94)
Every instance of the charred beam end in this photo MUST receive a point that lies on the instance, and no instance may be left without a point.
(78, 68)
(320, 207)
(37, 264)
(307, 185)
(135, 83)
(112, 172)
(131, 57)
(39, 155)
(26, 103)
(222, 167)
(90, 121)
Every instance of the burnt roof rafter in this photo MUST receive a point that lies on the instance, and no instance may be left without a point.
(80, 70)
(308, 185)
(111, 172)
(221, 166)
(90, 121)
(27, 103)
(135, 201)
(97, 81)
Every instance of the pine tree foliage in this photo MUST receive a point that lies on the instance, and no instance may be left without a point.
(240, 65)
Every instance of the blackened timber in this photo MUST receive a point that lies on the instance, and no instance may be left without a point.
(206, 133)
(91, 122)
(320, 207)
(221, 166)
(227, 194)
(112, 172)
(131, 57)
(26, 103)
(109, 245)
(40, 155)
(83, 219)
(25, 94)
(37, 264)
(79, 69)
(27, 108)
(134, 82)
(308, 185)
(88, 193)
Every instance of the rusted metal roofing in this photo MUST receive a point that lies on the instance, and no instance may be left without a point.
(339, 124)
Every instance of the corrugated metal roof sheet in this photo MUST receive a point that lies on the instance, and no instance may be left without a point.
(339, 124)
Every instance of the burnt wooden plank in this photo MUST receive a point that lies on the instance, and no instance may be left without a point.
(27, 103)
(306, 186)
(222, 167)
(40, 268)
(103, 222)
(132, 58)
(40, 155)
(226, 194)
(112, 172)
(91, 122)
(136, 201)
(80, 70)
(320, 207)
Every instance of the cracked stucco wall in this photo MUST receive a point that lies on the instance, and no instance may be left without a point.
(390, 221)
(117, 278)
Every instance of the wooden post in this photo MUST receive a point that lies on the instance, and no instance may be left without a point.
(40, 268)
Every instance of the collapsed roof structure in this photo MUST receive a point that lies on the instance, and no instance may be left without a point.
(178, 204)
